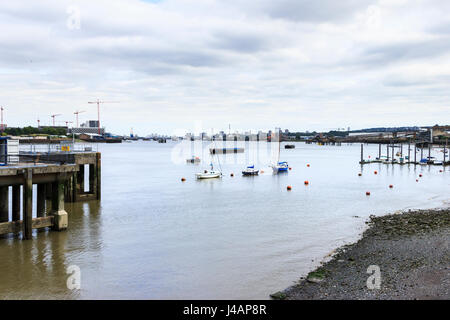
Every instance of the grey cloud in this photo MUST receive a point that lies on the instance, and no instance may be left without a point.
(387, 54)
(245, 43)
(309, 10)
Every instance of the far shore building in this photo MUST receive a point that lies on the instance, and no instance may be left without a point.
(89, 127)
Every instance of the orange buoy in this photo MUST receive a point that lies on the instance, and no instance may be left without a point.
(420, 175)
(307, 165)
(290, 168)
(440, 171)
(375, 172)
(232, 175)
(367, 193)
(289, 188)
(360, 174)
(391, 186)
(306, 182)
(183, 179)
(417, 180)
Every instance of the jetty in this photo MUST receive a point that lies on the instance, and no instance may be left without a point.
(395, 154)
(59, 177)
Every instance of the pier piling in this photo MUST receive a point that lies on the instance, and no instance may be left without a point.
(60, 219)
(40, 207)
(16, 203)
(27, 204)
(4, 204)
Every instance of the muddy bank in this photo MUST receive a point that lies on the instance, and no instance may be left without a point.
(410, 249)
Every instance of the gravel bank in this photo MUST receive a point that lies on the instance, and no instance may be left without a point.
(411, 249)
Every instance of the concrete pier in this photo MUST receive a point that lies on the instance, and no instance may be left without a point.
(57, 182)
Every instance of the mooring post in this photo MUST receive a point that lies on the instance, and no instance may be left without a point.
(393, 153)
(429, 151)
(415, 153)
(362, 153)
(401, 150)
(92, 179)
(16, 203)
(40, 203)
(379, 151)
(4, 204)
(409, 151)
(421, 152)
(387, 152)
(445, 150)
(27, 204)
(60, 218)
(98, 173)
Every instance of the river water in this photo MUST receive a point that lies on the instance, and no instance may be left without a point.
(155, 237)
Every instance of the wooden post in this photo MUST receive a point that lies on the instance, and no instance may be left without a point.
(27, 204)
(92, 179)
(421, 152)
(16, 203)
(98, 173)
(429, 151)
(379, 151)
(80, 179)
(4, 204)
(387, 152)
(401, 150)
(40, 207)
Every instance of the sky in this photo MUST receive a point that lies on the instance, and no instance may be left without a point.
(172, 66)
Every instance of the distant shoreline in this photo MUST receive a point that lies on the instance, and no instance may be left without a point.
(411, 250)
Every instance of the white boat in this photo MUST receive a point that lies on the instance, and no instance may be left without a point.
(208, 174)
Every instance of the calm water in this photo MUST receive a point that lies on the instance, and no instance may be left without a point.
(153, 236)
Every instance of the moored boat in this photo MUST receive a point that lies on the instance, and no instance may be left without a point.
(250, 171)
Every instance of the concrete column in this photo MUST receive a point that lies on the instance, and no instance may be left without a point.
(4, 204)
(60, 221)
(27, 205)
(40, 201)
(16, 203)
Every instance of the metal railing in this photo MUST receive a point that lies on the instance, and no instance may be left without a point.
(58, 148)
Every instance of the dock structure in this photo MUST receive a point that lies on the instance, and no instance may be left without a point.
(58, 177)
(402, 160)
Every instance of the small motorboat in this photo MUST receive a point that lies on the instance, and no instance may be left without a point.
(280, 167)
(193, 160)
(423, 162)
(250, 171)
(289, 146)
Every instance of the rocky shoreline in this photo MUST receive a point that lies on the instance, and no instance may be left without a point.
(410, 249)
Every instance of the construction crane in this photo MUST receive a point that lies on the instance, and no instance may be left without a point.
(67, 123)
(98, 109)
(77, 113)
(53, 116)
(2, 126)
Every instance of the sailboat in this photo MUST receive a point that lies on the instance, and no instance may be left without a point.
(250, 171)
(279, 166)
(210, 174)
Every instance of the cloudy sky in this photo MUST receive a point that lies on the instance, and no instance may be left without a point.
(256, 64)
